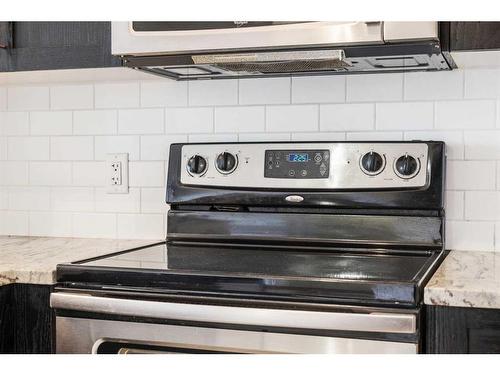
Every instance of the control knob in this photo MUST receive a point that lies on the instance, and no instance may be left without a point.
(372, 162)
(406, 166)
(226, 162)
(197, 165)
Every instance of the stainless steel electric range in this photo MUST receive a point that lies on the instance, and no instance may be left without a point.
(271, 247)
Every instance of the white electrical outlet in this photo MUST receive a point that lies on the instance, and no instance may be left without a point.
(117, 173)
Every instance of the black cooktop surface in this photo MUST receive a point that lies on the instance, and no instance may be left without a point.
(315, 275)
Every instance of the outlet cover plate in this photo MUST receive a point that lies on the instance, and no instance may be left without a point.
(117, 173)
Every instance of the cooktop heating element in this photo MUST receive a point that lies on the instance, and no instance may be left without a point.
(348, 232)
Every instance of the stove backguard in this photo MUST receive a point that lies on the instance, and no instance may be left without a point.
(348, 207)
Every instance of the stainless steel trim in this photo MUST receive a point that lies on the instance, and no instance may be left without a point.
(125, 41)
(345, 171)
(370, 322)
(79, 335)
(261, 57)
(410, 31)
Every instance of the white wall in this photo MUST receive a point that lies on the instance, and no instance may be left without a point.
(54, 138)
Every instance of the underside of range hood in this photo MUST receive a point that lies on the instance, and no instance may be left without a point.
(213, 50)
(423, 56)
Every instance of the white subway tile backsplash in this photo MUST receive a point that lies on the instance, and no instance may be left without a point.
(100, 122)
(292, 118)
(116, 144)
(209, 138)
(196, 120)
(28, 98)
(483, 145)
(454, 201)
(72, 148)
(164, 93)
(3, 98)
(374, 87)
(147, 173)
(324, 136)
(143, 226)
(50, 173)
(318, 89)
(482, 83)
(470, 175)
(497, 236)
(72, 97)
(346, 117)
(3, 148)
(4, 198)
(465, 114)
(498, 175)
(71, 199)
(117, 95)
(13, 173)
(94, 225)
(263, 137)
(405, 116)
(264, 91)
(51, 123)
(89, 173)
(454, 140)
(80, 124)
(52, 224)
(155, 147)
(28, 148)
(470, 235)
(14, 223)
(239, 119)
(221, 92)
(374, 136)
(141, 121)
(153, 200)
(482, 205)
(29, 198)
(14, 123)
(127, 203)
(434, 85)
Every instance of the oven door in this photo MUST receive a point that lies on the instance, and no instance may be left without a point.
(95, 324)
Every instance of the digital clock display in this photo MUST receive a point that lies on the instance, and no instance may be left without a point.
(298, 158)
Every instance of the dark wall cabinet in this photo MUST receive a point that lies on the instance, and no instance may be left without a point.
(26, 320)
(462, 330)
(55, 45)
(468, 36)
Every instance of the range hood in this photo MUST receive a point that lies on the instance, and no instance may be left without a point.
(211, 50)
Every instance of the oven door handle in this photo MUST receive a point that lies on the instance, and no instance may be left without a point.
(268, 317)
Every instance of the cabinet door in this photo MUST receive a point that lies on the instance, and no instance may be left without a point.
(462, 330)
(57, 45)
(26, 319)
(466, 36)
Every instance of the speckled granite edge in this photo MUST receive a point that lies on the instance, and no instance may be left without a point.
(466, 279)
(33, 260)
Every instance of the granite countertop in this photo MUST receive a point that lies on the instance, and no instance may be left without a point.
(466, 279)
(33, 260)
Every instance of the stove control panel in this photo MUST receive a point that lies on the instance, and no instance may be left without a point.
(306, 165)
(297, 164)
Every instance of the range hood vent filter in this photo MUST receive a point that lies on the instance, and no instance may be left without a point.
(277, 62)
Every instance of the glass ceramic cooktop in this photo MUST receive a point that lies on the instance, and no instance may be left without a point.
(254, 261)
